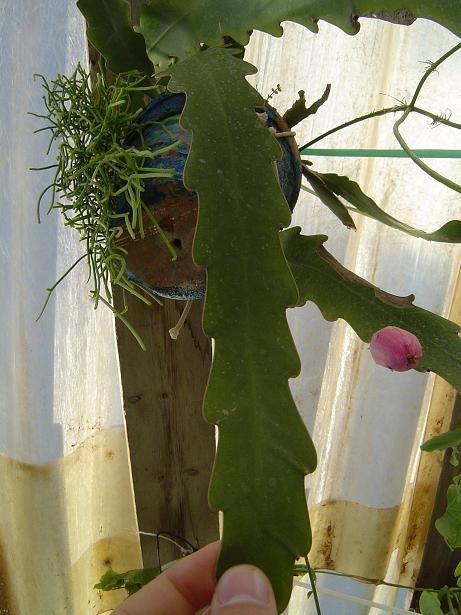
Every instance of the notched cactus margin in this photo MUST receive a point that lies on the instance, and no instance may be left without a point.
(171, 31)
(340, 293)
(109, 29)
(264, 449)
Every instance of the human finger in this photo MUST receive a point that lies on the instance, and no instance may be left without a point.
(243, 590)
(182, 589)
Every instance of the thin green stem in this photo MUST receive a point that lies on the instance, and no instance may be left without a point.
(313, 585)
(422, 165)
(130, 288)
(306, 189)
(403, 107)
(127, 324)
(147, 292)
(356, 120)
(406, 109)
(49, 166)
(160, 231)
(368, 580)
(430, 70)
(437, 119)
(42, 194)
(51, 289)
(451, 607)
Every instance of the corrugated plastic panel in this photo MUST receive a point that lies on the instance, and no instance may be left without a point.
(63, 449)
(367, 422)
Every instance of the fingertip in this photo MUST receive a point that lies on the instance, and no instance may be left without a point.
(243, 590)
(182, 589)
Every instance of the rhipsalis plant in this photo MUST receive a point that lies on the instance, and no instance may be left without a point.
(95, 166)
(254, 270)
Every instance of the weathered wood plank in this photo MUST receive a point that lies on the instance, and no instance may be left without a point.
(171, 446)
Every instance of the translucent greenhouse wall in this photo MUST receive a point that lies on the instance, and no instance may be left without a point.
(63, 452)
(368, 422)
(63, 449)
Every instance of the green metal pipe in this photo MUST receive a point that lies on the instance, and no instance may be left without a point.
(381, 153)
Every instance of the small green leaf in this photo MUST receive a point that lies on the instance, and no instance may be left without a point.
(175, 28)
(454, 461)
(110, 580)
(449, 439)
(131, 580)
(351, 192)
(339, 293)
(457, 572)
(109, 29)
(429, 604)
(449, 524)
(264, 450)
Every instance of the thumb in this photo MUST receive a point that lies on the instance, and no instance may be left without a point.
(243, 590)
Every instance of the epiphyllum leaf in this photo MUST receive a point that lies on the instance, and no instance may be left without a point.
(109, 29)
(339, 293)
(264, 450)
(175, 28)
(351, 192)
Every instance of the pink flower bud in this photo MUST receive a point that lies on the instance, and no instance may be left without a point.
(396, 349)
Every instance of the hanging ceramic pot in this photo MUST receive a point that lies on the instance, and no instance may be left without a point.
(175, 208)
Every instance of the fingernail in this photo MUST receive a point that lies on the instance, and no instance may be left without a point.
(243, 585)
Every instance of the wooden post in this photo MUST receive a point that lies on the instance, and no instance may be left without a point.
(171, 447)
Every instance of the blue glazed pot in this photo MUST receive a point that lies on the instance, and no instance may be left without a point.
(175, 208)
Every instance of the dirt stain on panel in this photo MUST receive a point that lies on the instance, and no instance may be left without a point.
(5, 592)
(351, 537)
(62, 524)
